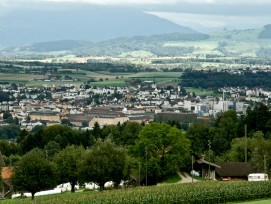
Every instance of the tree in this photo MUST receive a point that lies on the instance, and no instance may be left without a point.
(59, 133)
(33, 173)
(10, 131)
(67, 162)
(85, 123)
(97, 132)
(258, 149)
(6, 115)
(199, 133)
(51, 149)
(166, 148)
(14, 86)
(8, 148)
(225, 130)
(66, 122)
(130, 133)
(262, 115)
(104, 162)
(111, 132)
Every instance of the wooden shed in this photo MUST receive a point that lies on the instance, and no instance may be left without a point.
(202, 166)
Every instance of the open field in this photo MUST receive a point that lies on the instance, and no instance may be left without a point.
(200, 92)
(159, 77)
(101, 78)
(192, 193)
(18, 78)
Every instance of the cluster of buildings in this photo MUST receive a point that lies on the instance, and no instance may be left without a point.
(141, 104)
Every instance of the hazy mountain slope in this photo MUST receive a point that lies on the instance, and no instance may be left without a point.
(151, 44)
(29, 26)
(266, 33)
(226, 43)
(61, 45)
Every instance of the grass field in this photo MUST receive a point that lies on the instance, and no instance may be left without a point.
(18, 77)
(101, 78)
(199, 92)
(256, 202)
(173, 178)
(108, 79)
(192, 193)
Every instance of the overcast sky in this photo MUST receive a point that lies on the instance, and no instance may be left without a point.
(193, 13)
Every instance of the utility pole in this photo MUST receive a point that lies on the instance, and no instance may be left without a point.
(209, 170)
(264, 163)
(192, 168)
(245, 143)
(146, 165)
(139, 174)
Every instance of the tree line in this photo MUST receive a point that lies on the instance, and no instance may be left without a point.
(214, 79)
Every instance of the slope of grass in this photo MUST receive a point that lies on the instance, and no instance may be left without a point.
(172, 178)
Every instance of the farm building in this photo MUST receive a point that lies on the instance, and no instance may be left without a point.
(233, 170)
(202, 166)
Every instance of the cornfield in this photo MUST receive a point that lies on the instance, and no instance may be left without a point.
(201, 192)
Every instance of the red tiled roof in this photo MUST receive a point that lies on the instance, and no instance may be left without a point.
(6, 172)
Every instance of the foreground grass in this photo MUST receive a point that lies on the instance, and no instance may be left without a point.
(200, 192)
(255, 202)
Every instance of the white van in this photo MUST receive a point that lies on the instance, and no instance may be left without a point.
(258, 177)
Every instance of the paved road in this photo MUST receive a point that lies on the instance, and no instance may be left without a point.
(186, 178)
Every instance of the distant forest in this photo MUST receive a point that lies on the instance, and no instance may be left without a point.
(43, 68)
(214, 79)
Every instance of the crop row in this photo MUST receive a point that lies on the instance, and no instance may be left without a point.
(201, 192)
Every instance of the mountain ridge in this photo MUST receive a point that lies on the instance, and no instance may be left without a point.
(95, 24)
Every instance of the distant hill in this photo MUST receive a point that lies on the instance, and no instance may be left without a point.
(266, 33)
(61, 45)
(152, 44)
(28, 26)
(225, 43)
